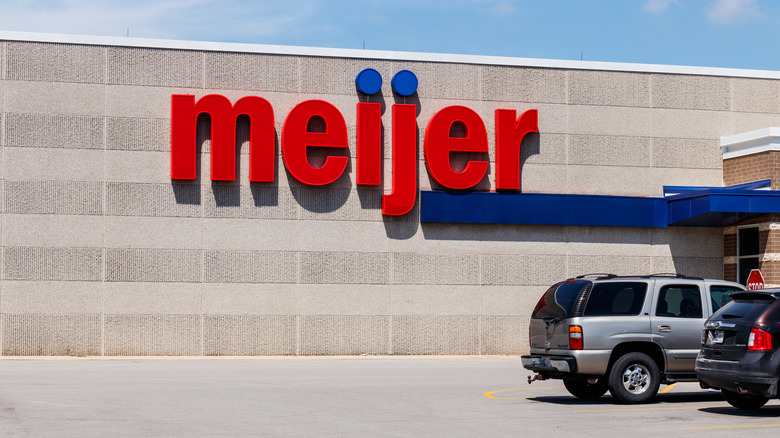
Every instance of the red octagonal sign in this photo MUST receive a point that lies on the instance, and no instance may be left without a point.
(755, 280)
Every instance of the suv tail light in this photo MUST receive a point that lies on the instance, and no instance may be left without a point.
(759, 340)
(575, 337)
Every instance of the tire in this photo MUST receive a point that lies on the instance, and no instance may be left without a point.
(582, 389)
(634, 378)
(747, 402)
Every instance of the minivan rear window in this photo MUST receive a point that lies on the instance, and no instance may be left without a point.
(616, 298)
(558, 301)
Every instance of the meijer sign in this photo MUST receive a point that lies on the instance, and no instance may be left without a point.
(296, 139)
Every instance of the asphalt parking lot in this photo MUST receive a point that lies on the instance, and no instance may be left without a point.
(339, 397)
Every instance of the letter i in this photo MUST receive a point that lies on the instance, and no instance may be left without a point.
(369, 130)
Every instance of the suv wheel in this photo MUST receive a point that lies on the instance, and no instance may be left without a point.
(634, 378)
(744, 401)
(582, 389)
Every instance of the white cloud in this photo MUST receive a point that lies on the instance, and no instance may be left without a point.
(657, 5)
(731, 11)
(504, 7)
(179, 19)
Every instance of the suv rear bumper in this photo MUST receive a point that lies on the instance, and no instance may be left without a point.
(582, 362)
(736, 376)
(550, 364)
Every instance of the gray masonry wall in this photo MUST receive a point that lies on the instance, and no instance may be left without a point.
(102, 254)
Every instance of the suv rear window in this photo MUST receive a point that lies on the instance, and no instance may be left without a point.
(616, 298)
(559, 299)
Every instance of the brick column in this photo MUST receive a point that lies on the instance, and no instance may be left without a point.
(743, 169)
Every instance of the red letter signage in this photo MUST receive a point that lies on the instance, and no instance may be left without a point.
(509, 135)
(369, 144)
(296, 139)
(439, 144)
(404, 193)
(184, 117)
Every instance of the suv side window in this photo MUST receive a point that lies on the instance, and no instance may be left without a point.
(721, 295)
(616, 298)
(680, 301)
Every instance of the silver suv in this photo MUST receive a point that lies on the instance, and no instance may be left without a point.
(628, 335)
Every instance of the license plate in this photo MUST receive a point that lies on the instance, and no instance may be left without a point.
(717, 336)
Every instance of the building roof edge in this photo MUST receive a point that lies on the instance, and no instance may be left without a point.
(382, 55)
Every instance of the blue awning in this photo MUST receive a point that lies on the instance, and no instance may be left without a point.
(681, 206)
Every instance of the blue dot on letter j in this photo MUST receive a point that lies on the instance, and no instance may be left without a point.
(404, 83)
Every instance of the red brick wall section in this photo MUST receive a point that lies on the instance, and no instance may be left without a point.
(730, 272)
(730, 245)
(765, 165)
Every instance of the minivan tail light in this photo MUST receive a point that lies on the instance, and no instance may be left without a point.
(759, 340)
(575, 337)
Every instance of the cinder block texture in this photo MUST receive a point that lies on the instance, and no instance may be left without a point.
(435, 334)
(537, 85)
(54, 98)
(172, 200)
(258, 201)
(155, 67)
(344, 267)
(54, 131)
(609, 88)
(691, 92)
(152, 335)
(504, 334)
(599, 150)
(48, 62)
(415, 268)
(250, 267)
(138, 134)
(250, 335)
(54, 197)
(40, 334)
(52, 297)
(255, 72)
(505, 269)
(687, 153)
(344, 335)
(56, 264)
(755, 95)
(153, 265)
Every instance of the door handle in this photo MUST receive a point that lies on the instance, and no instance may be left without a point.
(665, 328)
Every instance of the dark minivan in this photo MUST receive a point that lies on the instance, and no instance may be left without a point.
(739, 353)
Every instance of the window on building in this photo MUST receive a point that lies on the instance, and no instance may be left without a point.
(747, 252)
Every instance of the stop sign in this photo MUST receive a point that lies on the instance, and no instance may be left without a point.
(755, 280)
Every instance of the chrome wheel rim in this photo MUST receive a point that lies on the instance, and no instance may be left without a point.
(636, 379)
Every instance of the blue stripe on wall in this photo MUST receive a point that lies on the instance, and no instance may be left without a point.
(542, 209)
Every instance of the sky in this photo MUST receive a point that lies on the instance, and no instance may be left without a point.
(741, 34)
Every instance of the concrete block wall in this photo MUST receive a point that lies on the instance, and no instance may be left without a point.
(102, 254)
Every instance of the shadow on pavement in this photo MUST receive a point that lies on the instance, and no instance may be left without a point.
(606, 400)
(765, 412)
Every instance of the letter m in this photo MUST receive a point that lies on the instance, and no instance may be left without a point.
(184, 120)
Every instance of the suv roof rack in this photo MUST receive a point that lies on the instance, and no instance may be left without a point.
(598, 274)
(673, 275)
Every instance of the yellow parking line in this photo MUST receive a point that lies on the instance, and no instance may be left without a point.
(489, 394)
(733, 427)
(667, 389)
